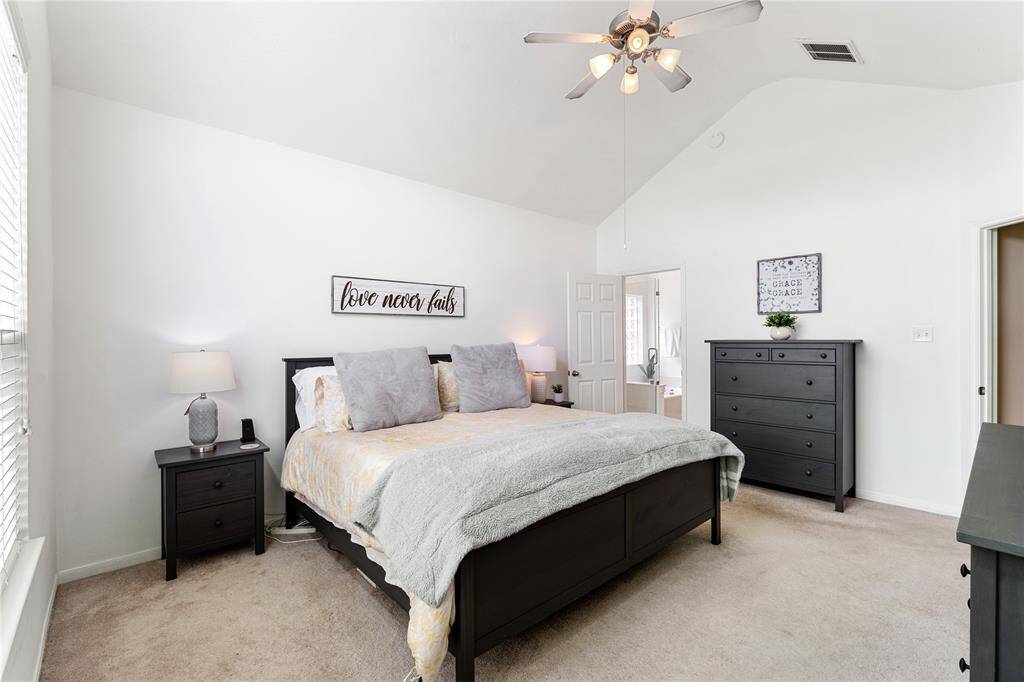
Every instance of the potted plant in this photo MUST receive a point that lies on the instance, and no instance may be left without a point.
(559, 396)
(782, 325)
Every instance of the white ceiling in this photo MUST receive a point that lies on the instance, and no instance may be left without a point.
(448, 93)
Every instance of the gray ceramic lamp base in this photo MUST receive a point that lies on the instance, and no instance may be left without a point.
(202, 424)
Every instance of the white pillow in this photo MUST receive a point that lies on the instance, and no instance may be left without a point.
(305, 397)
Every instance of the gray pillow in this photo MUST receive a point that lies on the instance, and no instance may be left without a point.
(489, 377)
(388, 387)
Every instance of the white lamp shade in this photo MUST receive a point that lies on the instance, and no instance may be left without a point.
(201, 372)
(537, 358)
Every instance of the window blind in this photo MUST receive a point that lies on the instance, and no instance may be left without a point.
(13, 361)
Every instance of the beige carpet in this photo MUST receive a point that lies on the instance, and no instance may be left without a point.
(795, 591)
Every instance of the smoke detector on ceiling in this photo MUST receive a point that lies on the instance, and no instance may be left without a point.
(831, 51)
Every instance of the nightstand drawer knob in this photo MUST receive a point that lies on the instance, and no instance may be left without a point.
(824, 356)
(218, 484)
(735, 378)
(758, 353)
(724, 354)
(782, 355)
(218, 523)
(734, 408)
(734, 434)
(810, 382)
(810, 416)
(809, 444)
(807, 473)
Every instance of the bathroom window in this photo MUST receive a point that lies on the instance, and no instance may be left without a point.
(634, 329)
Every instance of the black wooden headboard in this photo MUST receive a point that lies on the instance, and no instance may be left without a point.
(293, 365)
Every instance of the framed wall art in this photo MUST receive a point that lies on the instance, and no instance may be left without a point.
(367, 296)
(790, 285)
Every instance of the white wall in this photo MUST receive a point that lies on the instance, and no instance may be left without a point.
(172, 236)
(26, 649)
(871, 177)
(991, 144)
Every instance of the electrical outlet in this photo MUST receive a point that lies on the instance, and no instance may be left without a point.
(922, 334)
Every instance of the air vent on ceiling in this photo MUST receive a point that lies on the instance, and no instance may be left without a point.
(822, 51)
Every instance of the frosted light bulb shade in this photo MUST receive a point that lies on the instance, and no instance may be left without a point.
(630, 83)
(537, 358)
(667, 59)
(201, 372)
(638, 40)
(600, 64)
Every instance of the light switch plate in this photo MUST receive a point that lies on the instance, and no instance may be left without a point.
(922, 334)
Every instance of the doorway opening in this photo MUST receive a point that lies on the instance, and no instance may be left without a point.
(654, 348)
(1004, 311)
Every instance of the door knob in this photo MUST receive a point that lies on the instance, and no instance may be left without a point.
(964, 571)
(963, 666)
(574, 373)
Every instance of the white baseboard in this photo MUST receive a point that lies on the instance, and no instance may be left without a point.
(46, 630)
(910, 503)
(107, 565)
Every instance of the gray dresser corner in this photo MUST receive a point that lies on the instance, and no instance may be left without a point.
(789, 406)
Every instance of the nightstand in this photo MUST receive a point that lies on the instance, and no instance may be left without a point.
(209, 500)
(564, 403)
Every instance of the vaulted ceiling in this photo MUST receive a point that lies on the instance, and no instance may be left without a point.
(447, 93)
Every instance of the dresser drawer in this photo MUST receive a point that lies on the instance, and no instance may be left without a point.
(782, 412)
(777, 380)
(216, 484)
(796, 472)
(819, 355)
(213, 525)
(756, 354)
(780, 439)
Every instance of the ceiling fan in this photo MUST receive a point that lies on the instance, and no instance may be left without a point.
(632, 32)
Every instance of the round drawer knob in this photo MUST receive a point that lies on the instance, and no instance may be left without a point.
(810, 416)
(734, 408)
(758, 353)
(734, 433)
(810, 382)
(724, 353)
(218, 523)
(807, 473)
(218, 484)
(735, 378)
(809, 444)
(824, 356)
(963, 666)
(782, 355)
(964, 571)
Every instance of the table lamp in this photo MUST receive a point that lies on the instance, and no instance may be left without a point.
(536, 361)
(202, 372)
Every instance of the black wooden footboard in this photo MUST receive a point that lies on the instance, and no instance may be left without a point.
(506, 587)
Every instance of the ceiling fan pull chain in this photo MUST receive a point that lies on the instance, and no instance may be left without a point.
(624, 195)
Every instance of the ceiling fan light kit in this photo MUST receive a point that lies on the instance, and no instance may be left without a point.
(632, 32)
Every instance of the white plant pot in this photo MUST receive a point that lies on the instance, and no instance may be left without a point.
(781, 333)
(559, 397)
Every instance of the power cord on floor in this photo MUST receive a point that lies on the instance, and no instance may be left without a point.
(268, 528)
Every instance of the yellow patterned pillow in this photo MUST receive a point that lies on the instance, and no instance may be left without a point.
(331, 406)
(447, 386)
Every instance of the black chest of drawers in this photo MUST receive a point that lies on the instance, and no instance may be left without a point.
(789, 406)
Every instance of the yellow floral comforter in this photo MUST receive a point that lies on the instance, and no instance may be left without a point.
(332, 472)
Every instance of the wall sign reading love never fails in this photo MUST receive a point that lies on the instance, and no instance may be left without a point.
(366, 296)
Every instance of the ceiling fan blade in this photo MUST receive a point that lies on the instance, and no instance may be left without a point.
(582, 87)
(577, 38)
(674, 80)
(733, 14)
(641, 9)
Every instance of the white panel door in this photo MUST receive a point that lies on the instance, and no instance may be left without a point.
(597, 368)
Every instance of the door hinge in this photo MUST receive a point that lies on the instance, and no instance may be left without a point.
(981, 390)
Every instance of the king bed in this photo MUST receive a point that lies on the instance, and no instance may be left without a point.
(504, 587)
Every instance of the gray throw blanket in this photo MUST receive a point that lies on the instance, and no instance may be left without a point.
(431, 508)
